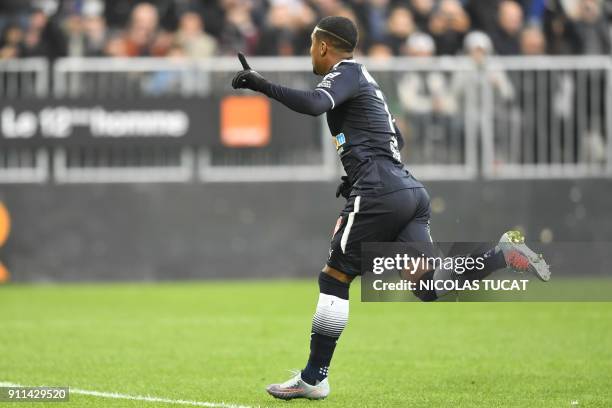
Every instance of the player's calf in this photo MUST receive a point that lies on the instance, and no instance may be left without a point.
(329, 321)
(511, 252)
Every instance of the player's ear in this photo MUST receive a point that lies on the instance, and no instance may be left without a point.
(323, 49)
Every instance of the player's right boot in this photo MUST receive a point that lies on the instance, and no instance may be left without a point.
(295, 387)
(520, 258)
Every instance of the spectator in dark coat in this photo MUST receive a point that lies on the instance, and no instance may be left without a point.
(43, 38)
(277, 35)
(422, 11)
(560, 31)
(592, 28)
(448, 26)
(239, 31)
(483, 14)
(399, 27)
(506, 38)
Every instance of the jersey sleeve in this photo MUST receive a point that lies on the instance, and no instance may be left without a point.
(336, 87)
(309, 102)
(339, 85)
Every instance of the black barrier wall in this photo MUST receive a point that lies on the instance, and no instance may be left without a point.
(199, 231)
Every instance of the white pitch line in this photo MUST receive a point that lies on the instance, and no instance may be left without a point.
(146, 398)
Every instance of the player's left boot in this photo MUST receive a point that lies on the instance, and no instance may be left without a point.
(295, 387)
(520, 258)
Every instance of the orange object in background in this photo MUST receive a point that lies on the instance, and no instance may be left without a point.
(5, 230)
(245, 121)
(5, 223)
(4, 274)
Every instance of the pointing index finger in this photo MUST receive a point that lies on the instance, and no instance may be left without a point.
(243, 61)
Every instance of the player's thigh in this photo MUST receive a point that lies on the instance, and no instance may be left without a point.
(366, 219)
(355, 225)
(417, 234)
(417, 229)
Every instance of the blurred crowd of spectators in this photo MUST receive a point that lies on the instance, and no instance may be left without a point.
(204, 28)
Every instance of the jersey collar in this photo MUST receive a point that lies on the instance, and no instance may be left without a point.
(352, 61)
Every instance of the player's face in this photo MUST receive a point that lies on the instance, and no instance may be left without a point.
(316, 54)
(313, 52)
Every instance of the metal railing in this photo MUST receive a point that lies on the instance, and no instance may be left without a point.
(123, 165)
(23, 78)
(511, 117)
(554, 122)
(152, 77)
(432, 103)
(19, 79)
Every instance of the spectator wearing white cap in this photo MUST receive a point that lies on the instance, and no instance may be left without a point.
(428, 101)
(87, 32)
(478, 46)
(420, 45)
(492, 78)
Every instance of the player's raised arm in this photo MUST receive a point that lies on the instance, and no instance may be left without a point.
(307, 102)
(333, 42)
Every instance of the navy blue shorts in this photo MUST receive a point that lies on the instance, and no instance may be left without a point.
(400, 216)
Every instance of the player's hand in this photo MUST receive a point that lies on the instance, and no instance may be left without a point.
(247, 78)
(344, 188)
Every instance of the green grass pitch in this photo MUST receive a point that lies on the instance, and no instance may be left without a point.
(224, 341)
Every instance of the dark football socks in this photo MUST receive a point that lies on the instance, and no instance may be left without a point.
(328, 323)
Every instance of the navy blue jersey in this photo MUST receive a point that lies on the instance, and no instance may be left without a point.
(364, 131)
